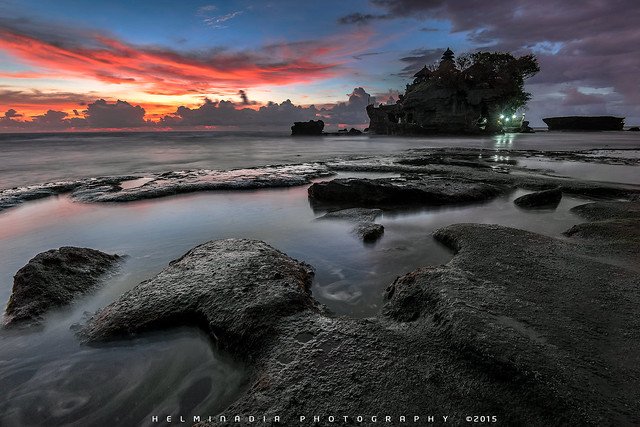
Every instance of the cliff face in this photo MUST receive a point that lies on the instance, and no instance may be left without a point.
(449, 99)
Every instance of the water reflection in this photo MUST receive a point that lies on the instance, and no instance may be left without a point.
(505, 140)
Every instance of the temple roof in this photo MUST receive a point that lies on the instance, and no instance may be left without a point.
(448, 55)
(424, 72)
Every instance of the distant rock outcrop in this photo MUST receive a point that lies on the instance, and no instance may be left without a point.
(53, 279)
(312, 127)
(584, 123)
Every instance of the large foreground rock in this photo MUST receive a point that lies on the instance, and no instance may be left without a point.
(236, 289)
(532, 329)
(54, 279)
(409, 190)
(557, 317)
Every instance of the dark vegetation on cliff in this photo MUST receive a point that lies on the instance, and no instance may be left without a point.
(478, 92)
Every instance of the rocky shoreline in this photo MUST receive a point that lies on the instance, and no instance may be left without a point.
(538, 330)
(484, 172)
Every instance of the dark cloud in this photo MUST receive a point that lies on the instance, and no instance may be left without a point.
(98, 115)
(360, 18)
(574, 97)
(245, 98)
(226, 113)
(37, 97)
(591, 44)
(12, 113)
(351, 112)
(362, 55)
(50, 120)
(418, 58)
(101, 115)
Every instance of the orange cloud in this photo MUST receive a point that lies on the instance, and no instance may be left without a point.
(163, 71)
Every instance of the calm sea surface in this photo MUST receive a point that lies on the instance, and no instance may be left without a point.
(47, 378)
(36, 158)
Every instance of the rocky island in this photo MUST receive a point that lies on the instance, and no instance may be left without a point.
(478, 93)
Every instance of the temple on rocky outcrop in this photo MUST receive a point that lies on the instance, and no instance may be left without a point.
(477, 93)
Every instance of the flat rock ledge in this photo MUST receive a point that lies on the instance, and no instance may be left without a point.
(364, 219)
(54, 279)
(113, 189)
(533, 329)
(407, 190)
(540, 199)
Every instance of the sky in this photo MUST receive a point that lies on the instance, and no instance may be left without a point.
(163, 65)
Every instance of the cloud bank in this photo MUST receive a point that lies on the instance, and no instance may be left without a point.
(102, 114)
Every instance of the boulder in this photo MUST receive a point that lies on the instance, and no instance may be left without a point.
(540, 199)
(237, 289)
(365, 227)
(369, 232)
(54, 279)
(312, 127)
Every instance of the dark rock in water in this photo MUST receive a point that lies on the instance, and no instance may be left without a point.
(352, 131)
(540, 199)
(369, 231)
(312, 127)
(526, 128)
(584, 123)
(54, 279)
(419, 190)
(354, 214)
(634, 129)
(364, 218)
(237, 289)
(532, 329)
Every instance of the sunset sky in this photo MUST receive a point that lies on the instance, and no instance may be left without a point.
(253, 64)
